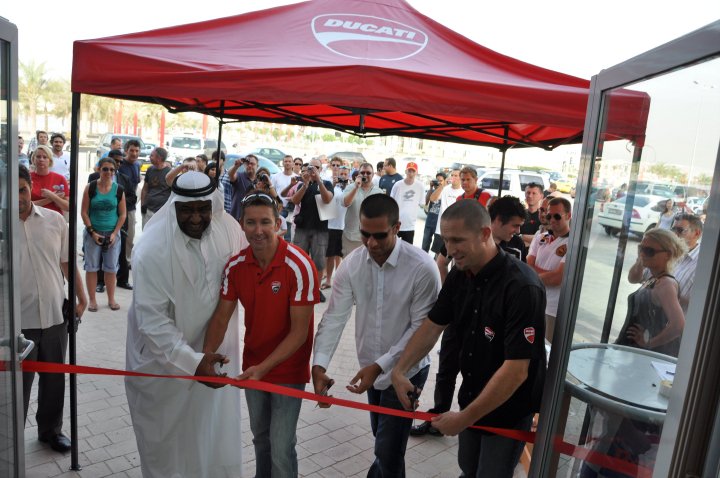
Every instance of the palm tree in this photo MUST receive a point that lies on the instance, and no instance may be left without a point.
(33, 82)
(97, 109)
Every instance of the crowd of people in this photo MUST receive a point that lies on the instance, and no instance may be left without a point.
(274, 243)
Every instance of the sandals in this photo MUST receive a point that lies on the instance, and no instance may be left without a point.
(114, 306)
(92, 308)
(325, 286)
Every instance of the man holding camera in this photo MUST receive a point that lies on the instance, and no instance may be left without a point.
(352, 199)
(334, 254)
(311, 233)
(241, 183)
(282, 180)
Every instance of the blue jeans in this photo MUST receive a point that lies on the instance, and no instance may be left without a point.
(391, 433)
(273, 422)
(483, 454)
(429, 231)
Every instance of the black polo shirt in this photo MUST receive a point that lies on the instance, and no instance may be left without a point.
(500, 315)
(532, 223)
(515, 247)
(309, 217)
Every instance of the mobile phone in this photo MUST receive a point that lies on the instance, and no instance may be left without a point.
(325, 390)
(414, 397)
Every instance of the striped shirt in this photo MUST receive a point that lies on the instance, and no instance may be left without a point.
(267, 295)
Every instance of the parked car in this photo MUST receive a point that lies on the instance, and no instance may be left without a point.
(565, 185)
(273, 154)
(103, 145)
(696, 204)
(263, 162)
(183, 146)
(210, 146)
(645, 214)
(348, 156)
(514, 181)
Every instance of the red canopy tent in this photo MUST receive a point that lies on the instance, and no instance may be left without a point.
(364, 67)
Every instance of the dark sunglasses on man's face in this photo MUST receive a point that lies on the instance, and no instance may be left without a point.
(107, 170)
(680, 230)
(649, 251)
(366, 173)
(378, 236)
(555, 216)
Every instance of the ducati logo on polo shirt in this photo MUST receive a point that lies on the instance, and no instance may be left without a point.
(529, 334)
(275, 286)
(489, 333)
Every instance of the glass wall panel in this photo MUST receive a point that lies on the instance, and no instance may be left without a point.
(654, 161)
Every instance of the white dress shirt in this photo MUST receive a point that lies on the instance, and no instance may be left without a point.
(392, 301)
(43, 246)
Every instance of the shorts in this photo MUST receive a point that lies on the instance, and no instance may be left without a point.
(93, 253)
(437, 243)
(313, 242)
(348, 245)
(334, 248)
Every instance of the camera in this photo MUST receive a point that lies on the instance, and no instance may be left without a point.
(264, 178)
(342, 181)
(435, 183)
(364, 179)
(105, 244)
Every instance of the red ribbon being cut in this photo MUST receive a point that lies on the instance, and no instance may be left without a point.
(561, 446)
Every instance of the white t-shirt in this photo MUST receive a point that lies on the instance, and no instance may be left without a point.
(549, 256)
(338, 222)
(410, 197)
(280, 181)
(61, 165)
(448, 197)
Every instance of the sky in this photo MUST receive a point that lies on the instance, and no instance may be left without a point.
(571, 36)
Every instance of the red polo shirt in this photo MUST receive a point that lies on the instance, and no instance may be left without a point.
(52, 181)
(481, 197)
(290, 279)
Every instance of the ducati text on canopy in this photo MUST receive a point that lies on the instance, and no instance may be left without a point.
(365, 37)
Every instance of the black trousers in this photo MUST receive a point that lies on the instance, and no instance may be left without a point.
(50, 346)
(407, 236)
(448, 369)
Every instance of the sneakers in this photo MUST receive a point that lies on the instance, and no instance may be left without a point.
(423, 429)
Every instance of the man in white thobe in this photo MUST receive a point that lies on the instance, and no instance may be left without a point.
(183, 429)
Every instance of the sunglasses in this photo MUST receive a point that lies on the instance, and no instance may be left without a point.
(298, 164)
(366, 173)
(555, 216)
(649, 251)
(680, 230)
(378, 236)
(107, 170)
(258, 197)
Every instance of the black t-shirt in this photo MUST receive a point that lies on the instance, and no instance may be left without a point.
(308, 217)
(388, 181)
(500, 315)
(532, 223)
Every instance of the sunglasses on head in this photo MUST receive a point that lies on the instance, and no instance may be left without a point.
(258, 197)
(555, 216)
(107, 170)
(378, 236)
(649, 251)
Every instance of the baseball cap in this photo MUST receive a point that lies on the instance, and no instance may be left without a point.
(411, 165)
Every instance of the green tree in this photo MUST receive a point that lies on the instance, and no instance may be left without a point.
(33, 82)
(57, 101)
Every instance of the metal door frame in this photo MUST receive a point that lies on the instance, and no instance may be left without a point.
(9, 34)
(693, 370)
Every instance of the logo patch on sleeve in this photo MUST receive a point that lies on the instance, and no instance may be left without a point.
(275, 286)
(529, 334)
(489, 333)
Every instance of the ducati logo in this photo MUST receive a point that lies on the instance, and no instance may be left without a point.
(529, 334)
(489, 333)
(365, 37)
(275, 286)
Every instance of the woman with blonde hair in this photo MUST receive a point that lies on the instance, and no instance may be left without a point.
(655, 319)
(50, 190)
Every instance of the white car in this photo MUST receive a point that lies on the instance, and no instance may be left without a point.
(695, 204)
(514, 181)
(645, 214)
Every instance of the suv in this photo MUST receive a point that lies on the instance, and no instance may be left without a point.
(105, 139)
(210, 147)
(514, 181)
(184, 146)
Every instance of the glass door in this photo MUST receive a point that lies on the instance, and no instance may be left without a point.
(645, 228)
(11, 423)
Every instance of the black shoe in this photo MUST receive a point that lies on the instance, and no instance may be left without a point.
(322, 297)
(125, 285)
(57, 442)
(424, 428)
(100, 288)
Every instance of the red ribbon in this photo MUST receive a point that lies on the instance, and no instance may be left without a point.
(561, 446)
